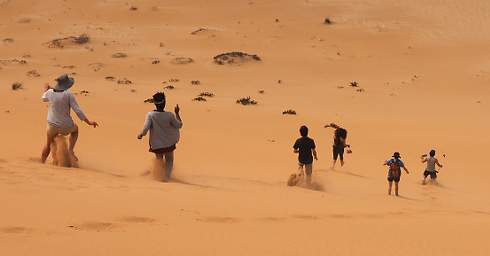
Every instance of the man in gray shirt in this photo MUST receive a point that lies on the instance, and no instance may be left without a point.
(164, 132)
(61, 101)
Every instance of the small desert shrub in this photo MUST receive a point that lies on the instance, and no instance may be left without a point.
(246, 101)
(289, 112)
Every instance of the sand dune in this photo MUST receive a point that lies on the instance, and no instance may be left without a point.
(422, 70)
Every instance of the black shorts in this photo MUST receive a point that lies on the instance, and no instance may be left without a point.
(394, 178)
(338, 152)
(433, 175)
(163, 150)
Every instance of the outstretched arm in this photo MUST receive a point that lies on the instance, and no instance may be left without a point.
(405, 169)
(76, 108)
(314, 154)
(438, 164)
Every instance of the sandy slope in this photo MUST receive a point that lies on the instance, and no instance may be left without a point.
(424, 67)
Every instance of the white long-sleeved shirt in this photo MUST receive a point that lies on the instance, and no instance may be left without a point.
(60, 104)
(164, 129)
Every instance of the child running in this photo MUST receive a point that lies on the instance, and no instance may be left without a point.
(61, 101)
(430, 170)
(306, 150)
(394, 171)
(164, 133)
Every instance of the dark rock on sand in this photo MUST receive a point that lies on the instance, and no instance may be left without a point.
(17, 86)
(234, 58)
(119, 55)
(195, 82)
(67, 41)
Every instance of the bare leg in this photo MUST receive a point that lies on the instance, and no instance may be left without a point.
(54, 151)
(424, 181)
(396, 188)
(158, 168)
(341, 162)
(309, 172)
(333, 165)
(390, 183)
(47, 147)
(73, 142)
(169, 164)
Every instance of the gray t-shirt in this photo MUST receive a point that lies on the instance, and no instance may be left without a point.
(164, 129)
(431, 164)
(60, 104)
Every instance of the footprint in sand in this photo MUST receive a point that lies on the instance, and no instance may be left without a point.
(339, 216)
(15, 230)
(305, 217)
(273, 219)
(136, 219)
(218, 219)
(95, 226)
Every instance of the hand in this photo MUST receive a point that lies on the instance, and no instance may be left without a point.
(46, 86)
(316, 158)
(94, 124)
(177, 109)
(140, 137)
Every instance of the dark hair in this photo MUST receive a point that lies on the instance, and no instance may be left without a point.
(159, 100)
(432, 153)
(303, 130)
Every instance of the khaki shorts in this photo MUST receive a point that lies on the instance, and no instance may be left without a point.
(54, 130)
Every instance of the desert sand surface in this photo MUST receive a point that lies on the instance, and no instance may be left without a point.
(423, 73)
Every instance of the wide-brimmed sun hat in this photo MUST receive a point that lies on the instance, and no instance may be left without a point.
(396, 155)
(64, 82)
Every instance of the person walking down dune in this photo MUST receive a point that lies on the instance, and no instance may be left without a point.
(430, 170)
(339, 144)
(306, 149)
(164, 133)
(61, 101)
(394, 171)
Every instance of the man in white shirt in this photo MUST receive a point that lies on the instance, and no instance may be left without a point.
(61, 101)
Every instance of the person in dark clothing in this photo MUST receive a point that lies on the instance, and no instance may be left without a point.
(306, 149)
(339, 144)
